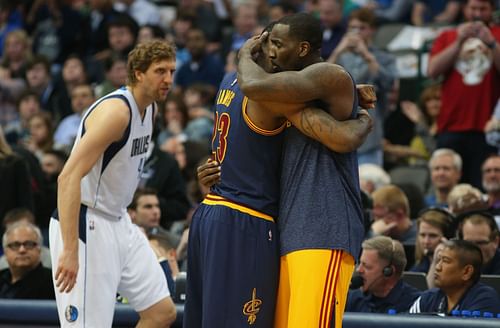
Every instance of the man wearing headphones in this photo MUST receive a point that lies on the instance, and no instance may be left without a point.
(380, 268)
(456, 277)
(481, 229)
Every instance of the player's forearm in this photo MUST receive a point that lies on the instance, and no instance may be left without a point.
(68, 204)
(250, 75)
(341, 137)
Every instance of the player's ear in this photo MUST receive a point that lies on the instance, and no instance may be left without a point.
(304, 48)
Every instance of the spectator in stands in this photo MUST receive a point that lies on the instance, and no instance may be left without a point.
(145, 208)
(41, 137)
(481, 229)
(367, 64)
(203, 67)
(464, 198)
(183, 22)
(10, 20)
(56, 29)
(443, 12)
(121, 32)
(150, 32)
(372, 177)
(164, 244)
(245, 21)
(162, 173)
(82, 96)
(40, 81)
(199, 98)
(16, 53)
(433, 224)
(101, 13)
(115, 68)
(491, 183)
(381, 266)
(25, 278)
(21, 214)
(391, 211)
(12, 70)
(423, 142)
(457, 275)
(445, 166)
(330, 14)
(173, 118)
(73, 73)
(28, 105)
(15, 179)
(468, 57)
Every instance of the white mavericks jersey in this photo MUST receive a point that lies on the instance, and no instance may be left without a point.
(110, 185)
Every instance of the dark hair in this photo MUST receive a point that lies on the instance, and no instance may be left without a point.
(59, 154)
(17, 214)
(39, 59)
(139, 193)
(365, 15)
(467, 253)
(304, 27)
(27, 94)
(158, 32)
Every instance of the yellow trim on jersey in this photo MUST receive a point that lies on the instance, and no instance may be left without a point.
(254, 127)
(212, 199)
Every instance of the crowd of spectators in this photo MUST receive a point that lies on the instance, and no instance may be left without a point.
(58, 56)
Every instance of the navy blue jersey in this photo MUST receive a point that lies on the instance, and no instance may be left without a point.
(250, 157)
(478, 297)
(400, 298)
(320, 205)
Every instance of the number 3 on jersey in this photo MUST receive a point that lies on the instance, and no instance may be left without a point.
(219, 140)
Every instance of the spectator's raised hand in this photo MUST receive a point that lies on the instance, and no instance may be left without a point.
(411, 110)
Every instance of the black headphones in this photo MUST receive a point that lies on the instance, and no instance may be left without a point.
(388, 270)
(450, 218)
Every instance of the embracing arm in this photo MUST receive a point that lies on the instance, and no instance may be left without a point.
(102, 128)
(313, 82)
(339, 136)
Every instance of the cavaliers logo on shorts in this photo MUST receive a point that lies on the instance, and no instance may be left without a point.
(71, 313)
(252, 307)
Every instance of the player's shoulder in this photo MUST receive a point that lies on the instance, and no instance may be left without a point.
(326, 69)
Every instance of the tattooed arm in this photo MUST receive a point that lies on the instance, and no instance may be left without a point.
(339, 136)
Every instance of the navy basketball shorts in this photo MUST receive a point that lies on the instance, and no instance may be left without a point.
(233, 267)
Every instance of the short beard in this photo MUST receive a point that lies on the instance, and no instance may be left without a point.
(492, 187)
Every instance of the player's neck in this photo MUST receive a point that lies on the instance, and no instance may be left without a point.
(140, 98)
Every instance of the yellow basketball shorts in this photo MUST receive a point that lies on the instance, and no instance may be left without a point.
(313, 288)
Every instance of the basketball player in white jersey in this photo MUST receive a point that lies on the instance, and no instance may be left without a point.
(96, 249)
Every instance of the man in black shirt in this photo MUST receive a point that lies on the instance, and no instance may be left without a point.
(25, 278)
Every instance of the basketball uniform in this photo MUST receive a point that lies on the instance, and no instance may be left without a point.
(233, 255)
(114, 255)
(321, 230)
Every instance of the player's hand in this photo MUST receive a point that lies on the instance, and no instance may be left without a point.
(67, 270)
(364, 115)
(367, 98)
(209, 173)
(253, 45)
